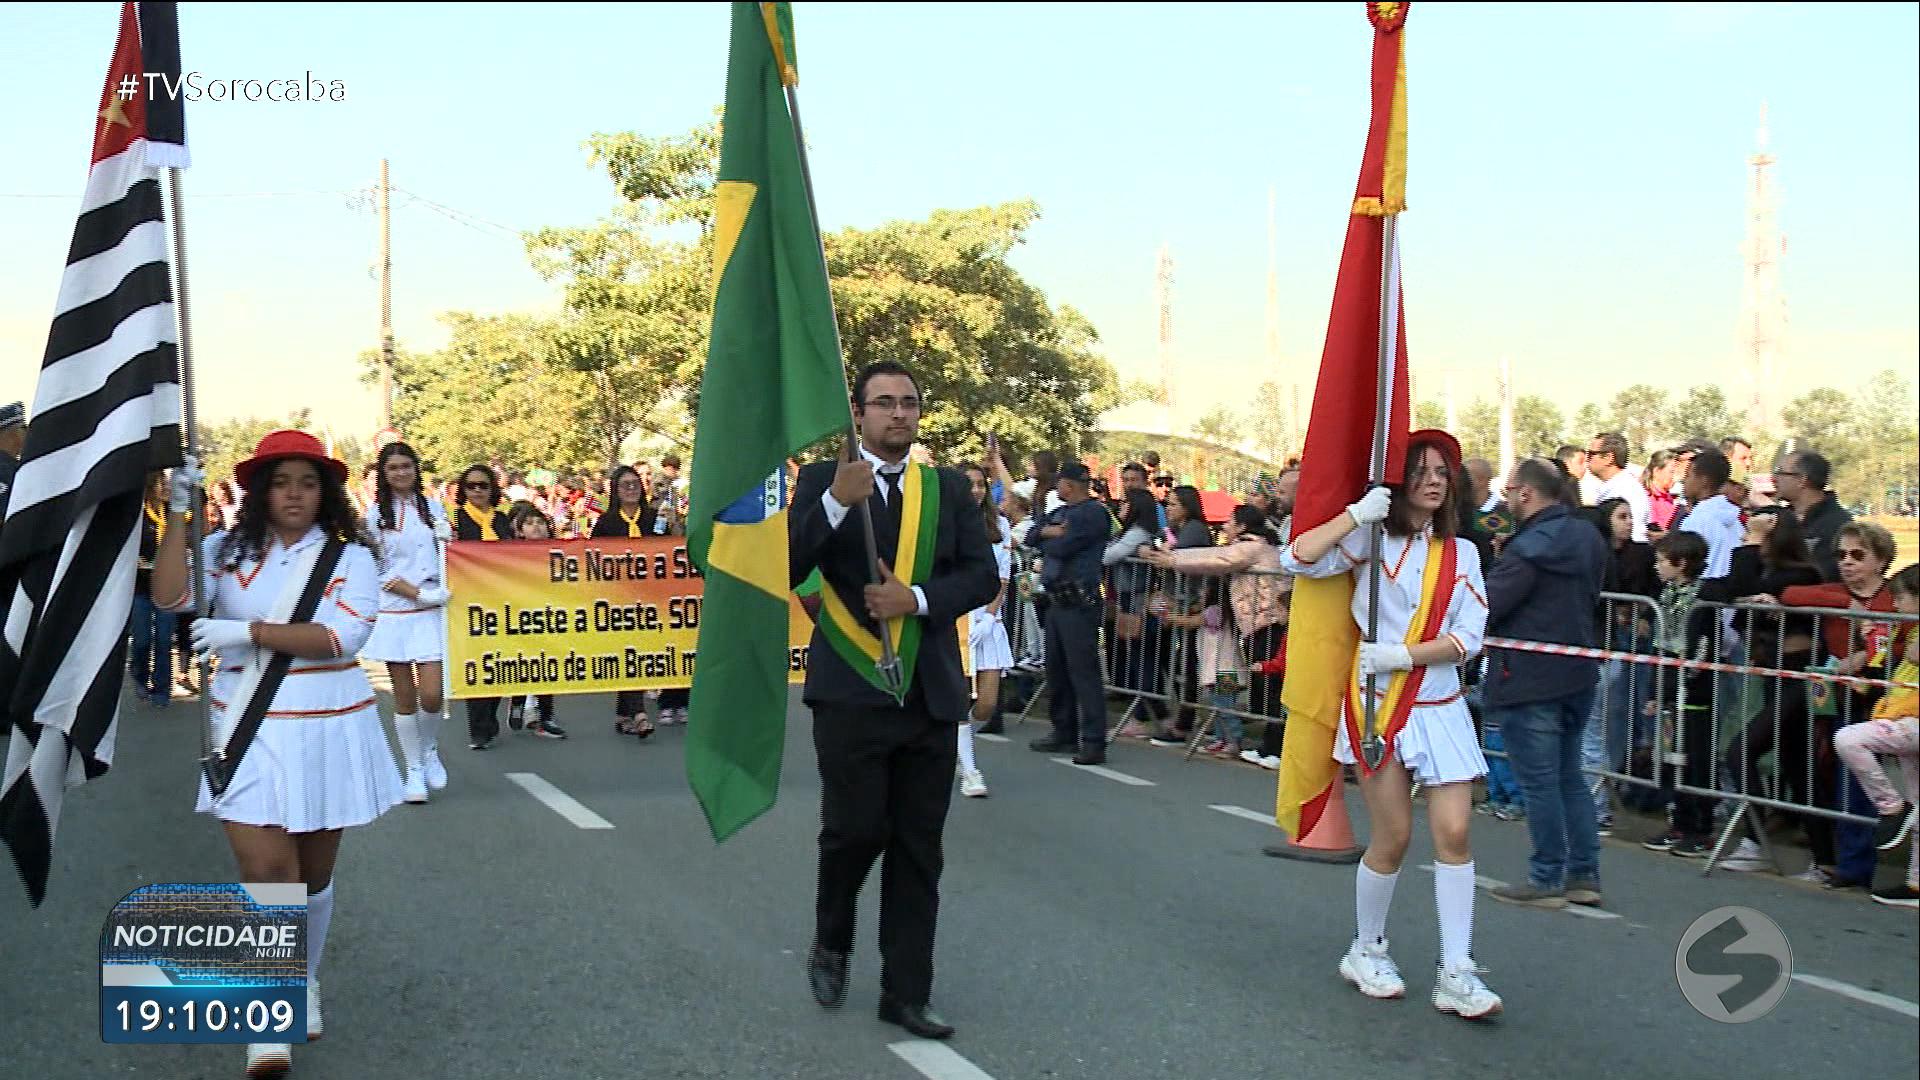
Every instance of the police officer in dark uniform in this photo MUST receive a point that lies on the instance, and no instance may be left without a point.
(13, 442)
(1071, 540)
(886, 765)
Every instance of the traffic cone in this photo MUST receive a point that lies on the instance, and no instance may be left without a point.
(1329, 841)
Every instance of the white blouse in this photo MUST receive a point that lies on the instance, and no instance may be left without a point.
(1406, 563)
(409, 553)
(248, 592)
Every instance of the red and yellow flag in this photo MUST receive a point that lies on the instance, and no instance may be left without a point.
(1321, 648)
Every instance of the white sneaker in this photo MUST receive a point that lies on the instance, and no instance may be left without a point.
(1460, 991)
(973, 785)
(414, 788)
(314, 1027)
(436, 773)
(1251, 757)
(1271, 763)
(1371, 970)
(268, 1059)
(1746, 858)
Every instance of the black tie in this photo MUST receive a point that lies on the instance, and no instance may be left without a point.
(890, 495)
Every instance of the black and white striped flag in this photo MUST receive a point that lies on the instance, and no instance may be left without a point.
(106, 411)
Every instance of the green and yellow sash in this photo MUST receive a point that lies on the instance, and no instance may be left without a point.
(912, 564)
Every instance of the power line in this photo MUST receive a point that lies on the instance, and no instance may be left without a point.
(472, 221)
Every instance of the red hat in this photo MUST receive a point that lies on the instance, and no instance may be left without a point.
(289, 444)
(1448, 446)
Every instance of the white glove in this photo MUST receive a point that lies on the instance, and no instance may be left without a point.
(221, 635)
(442, 530)
(434, 596)
(1384, 657)
(1372, 507)
(184, 484)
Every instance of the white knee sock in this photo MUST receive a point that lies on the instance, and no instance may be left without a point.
(1372, 896)
(966, 747)
(319, 914)
(406, 727)
(429, 723)
(1453, 898)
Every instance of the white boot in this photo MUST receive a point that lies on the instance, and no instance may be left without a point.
(268, 1059)
(407, 727)
(436, 773)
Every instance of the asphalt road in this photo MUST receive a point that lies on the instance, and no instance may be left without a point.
(1091, 930)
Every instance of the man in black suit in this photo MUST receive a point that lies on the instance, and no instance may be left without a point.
(886, 765)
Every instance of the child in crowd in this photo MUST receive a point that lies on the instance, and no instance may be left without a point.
(1894, 730)
(1504, 799)
(1686, 632)
(530, 524)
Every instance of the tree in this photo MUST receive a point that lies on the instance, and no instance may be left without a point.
(1640, 413)
(226, 444)
(1882, 476)
(1821, 420)
(1219, 426)
(1429, 414)
(1588, 421)
(1269, 422)
(1479, 432)
(626, 353)
(1538, 426)
(1704, 414)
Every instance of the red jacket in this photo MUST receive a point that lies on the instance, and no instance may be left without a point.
(1836, 632)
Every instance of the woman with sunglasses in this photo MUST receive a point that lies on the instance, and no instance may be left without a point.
(628, 515)
(478, 517)
(1843, 853)
(411, 634)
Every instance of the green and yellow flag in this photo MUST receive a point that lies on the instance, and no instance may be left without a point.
(774, 384)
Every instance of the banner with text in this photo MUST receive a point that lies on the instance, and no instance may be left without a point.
(579, 617)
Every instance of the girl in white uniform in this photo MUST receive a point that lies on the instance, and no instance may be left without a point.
(1436, 746)
(319, 763)
(411, 635)
(987, 637)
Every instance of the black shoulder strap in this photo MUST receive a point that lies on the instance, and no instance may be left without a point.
(220, 766)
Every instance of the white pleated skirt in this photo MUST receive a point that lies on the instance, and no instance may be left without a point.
(305, 774)
(401, 637)
(1437, 746)
(993, 652)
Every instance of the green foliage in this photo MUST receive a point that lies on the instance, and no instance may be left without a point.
(1268, 424)
(621, 364)
(1869, 438)
(1588, 421)
(1538, 426)
(1219, 426)
(1704, 414)
(224, 445)
(1429, 414)
(1640, 413)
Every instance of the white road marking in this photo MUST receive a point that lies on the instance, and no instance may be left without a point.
(1581, 910)
(559, 801)
(1243, 812)
(1132, 781)
(937, 1060)
(1869, 997)
(989, 737)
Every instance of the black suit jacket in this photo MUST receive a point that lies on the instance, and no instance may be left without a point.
(963, 578)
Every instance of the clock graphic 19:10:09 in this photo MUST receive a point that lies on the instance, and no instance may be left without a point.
(195, 1014)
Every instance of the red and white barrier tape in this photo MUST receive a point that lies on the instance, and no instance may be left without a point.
(1548, 649)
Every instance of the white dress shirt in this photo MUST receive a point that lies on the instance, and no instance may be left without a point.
(892, 471)
(1625, 485)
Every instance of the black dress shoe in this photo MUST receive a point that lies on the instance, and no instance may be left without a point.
(1050, 745)
(1090, 757)
(919, 1020)
(827, 974)
(995, 726)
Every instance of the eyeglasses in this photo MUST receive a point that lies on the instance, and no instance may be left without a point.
(906, 405)
(1853, 555)
(478, 485)
(1778, 473)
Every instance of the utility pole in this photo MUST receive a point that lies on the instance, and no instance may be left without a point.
(386, 303)
(1763, 299)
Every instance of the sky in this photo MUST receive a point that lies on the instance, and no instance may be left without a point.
(1576, 185)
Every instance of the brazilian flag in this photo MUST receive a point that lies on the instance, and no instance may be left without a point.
(774, 385)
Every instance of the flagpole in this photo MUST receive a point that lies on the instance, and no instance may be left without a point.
(889, 665)
(1373, 749)
(191, 415)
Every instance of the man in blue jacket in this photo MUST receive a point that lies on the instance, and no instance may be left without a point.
(1543, 588)
(1071, 541)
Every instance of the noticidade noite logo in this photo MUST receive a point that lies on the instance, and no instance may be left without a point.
(1733, 965)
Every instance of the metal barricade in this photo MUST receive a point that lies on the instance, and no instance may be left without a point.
(1744, 704)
